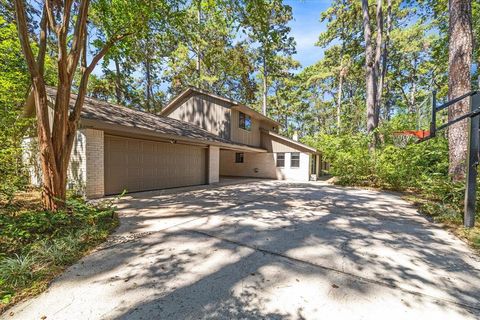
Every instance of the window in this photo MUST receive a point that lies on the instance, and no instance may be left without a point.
(244, 121)
(281, 160)
(239, 157)
(295, 160)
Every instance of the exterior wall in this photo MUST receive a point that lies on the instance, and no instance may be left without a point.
(94, 163)
(206, 112)
(263, 165)
(273, 145)
(213, 164)
(295, 174)
(86, 167)
(77, 168)
(259, 165)
(251, 138)
(86, 163)
(31, 161)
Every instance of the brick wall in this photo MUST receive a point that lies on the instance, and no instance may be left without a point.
(94, 163)
(86, 168)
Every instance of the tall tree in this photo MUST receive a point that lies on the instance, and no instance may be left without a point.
(266, 24)
(372, 62)
(65, 24)
(459, 81)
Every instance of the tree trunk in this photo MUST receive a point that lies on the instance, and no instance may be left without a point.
(265, 88)
(383, 72)
(369, 69)
(148, 77)
(378, 59)
(118, 82)
(199, 54)
(55, 145)
(413, 93)
(459, 81)
(339, 101)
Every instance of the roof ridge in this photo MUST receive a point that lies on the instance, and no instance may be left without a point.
(143, 113)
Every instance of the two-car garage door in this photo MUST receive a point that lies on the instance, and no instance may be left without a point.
(138, 165)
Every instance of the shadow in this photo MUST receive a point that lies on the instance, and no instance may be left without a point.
(277, 250)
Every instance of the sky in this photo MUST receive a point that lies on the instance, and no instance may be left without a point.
(306, 27)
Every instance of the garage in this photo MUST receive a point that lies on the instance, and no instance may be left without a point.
(140, 165)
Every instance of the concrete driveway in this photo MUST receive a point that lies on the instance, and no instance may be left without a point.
(268, 250)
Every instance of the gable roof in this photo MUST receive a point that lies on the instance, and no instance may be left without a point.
(176, 102)
(104, 115)
(287, 141)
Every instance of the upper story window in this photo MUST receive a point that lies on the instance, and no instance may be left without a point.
(295, 160)
(239, 157)
(280, 159)
(244, 121)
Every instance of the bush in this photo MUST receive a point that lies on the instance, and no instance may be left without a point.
(421, 169)
(17, 271)
(36, 245)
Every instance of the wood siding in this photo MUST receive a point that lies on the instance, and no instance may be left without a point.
(205, 112)
(248, 137)
(274, 145)
(138, 165)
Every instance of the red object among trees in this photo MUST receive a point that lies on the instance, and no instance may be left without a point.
(420, 134)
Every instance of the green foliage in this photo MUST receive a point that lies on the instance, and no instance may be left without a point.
(13, 88)
(36, 245)
(14, 83)
(420, 170)
(17, 271)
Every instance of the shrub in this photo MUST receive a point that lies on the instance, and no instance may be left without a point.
(36, 245)
(17, 271)
(420, 168)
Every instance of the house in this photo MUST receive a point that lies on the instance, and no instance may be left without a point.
(198, 137)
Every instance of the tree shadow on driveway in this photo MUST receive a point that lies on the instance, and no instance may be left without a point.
(272, 250)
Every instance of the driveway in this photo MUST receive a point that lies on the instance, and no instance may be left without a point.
(268, 250)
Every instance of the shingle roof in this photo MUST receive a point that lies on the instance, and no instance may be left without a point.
(105, 112)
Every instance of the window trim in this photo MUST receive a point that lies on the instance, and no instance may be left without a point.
(239, 157)
(276, 159)
(291, 160)
(242, 121)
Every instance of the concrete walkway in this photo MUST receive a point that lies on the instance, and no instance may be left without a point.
(268, 250)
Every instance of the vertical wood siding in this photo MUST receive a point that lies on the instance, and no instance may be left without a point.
(205, 112)
(248, 137)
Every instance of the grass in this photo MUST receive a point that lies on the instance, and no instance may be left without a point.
(37, 245)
